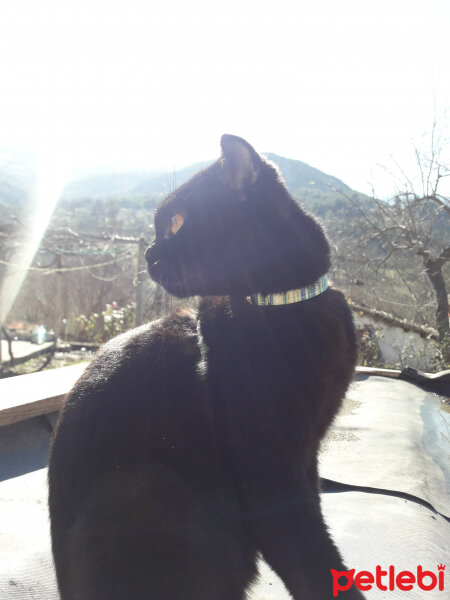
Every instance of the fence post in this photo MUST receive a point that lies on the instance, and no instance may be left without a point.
(141, 270)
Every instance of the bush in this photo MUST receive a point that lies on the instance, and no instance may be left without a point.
(114, 320)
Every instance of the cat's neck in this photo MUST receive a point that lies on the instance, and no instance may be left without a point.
(226, 322)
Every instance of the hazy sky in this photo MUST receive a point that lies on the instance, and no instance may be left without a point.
(339, 84)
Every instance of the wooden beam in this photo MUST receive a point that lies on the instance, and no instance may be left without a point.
(392, 373)
(36, 394)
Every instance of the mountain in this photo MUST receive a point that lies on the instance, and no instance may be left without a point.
(16, 181)
(299, 175)
(112, 183)
(164, 183)
(17, 177)
(130, 183)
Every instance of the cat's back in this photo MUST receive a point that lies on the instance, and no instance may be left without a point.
(130, 405)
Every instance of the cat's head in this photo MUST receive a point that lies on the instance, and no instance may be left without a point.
(234, 229)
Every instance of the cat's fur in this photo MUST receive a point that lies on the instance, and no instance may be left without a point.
(190, 444)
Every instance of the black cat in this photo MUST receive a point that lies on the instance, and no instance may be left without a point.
(190, 444)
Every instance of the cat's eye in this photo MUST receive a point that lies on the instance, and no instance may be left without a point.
(177, 223)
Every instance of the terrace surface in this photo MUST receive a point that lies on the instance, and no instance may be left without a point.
(385, 468)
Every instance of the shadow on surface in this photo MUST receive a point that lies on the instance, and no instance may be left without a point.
(24, 447)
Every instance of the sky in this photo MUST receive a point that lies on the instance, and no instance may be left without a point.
(341, 85)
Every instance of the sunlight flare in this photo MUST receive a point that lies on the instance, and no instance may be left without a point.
(50, 180)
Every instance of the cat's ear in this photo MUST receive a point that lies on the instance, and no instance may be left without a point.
(240, 161)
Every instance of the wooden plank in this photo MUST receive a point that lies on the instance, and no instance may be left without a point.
(36, 394)
(392, 373)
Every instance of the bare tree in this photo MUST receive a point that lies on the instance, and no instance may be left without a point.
(412, 227)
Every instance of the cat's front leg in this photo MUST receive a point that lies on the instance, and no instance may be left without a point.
(143, 533)
(293, 538)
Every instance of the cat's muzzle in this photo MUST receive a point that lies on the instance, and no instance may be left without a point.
(163, 271)
(151, 254)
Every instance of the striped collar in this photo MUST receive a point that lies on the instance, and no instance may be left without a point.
(304, 293)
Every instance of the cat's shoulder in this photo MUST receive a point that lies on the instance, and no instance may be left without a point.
(172, 338)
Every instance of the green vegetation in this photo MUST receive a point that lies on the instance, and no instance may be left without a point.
(101, 327)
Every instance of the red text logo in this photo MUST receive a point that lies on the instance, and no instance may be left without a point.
(388, 580)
